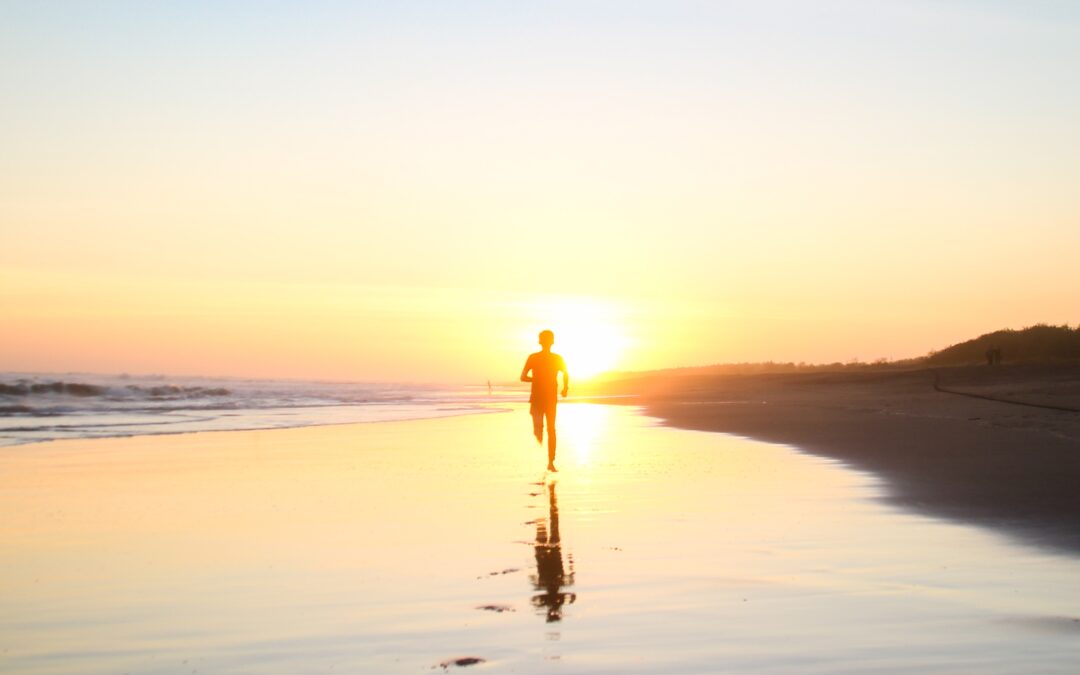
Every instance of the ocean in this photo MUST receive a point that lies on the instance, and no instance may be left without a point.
(38, 407)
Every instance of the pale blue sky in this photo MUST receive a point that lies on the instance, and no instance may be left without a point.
(914, 163)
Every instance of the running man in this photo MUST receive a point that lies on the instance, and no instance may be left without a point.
(545, 367)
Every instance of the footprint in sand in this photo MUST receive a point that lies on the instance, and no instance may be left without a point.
(460, 662)
(508, 570)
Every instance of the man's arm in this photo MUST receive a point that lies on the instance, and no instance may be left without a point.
(565, 378)
(525, 371)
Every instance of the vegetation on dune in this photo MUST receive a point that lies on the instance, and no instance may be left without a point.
(1041, 343)
(1035, 344)
(767, 367)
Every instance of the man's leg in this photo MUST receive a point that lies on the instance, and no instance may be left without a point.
(550, 414)
(538, 424)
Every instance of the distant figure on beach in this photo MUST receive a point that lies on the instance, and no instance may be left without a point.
(489, 387)
(545, 367)
(993, 356)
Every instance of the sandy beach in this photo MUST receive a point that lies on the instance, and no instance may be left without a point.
(995, 446)
(442, 544)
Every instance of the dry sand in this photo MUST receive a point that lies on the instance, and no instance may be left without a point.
(941, 441)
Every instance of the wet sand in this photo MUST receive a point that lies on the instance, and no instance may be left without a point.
(442, 544)
(995, 446)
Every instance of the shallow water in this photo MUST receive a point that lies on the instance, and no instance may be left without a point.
(399, 546)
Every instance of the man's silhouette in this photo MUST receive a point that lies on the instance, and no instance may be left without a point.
(551, 576)
(545, 367)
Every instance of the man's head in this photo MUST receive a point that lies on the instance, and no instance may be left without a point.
(547, 338)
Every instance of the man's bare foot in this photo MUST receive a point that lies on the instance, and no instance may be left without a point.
(551, 467)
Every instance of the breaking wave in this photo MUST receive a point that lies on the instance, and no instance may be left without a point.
(45, 407)
(26, 387)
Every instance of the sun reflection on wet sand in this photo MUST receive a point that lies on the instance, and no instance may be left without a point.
(580, 427)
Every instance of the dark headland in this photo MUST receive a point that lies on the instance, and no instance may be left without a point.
(995, 444)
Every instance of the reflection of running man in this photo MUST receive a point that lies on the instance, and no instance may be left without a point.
(545, 366)
(551, 576)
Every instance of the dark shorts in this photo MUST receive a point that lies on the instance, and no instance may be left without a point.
(542, 407)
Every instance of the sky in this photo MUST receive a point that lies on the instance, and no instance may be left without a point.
(409, 191)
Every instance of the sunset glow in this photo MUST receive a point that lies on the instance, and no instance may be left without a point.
(588, 333)
(409, 196)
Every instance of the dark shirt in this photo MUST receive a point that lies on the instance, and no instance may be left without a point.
(545, 367)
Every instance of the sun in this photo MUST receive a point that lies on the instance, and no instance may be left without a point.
(588, 334)
(590, 349)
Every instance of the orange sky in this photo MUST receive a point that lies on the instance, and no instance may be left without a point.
(380, 194)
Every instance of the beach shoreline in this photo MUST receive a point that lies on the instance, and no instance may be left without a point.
(997, 447)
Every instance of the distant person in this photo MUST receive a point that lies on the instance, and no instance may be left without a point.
(990, 356)
(545, 367)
